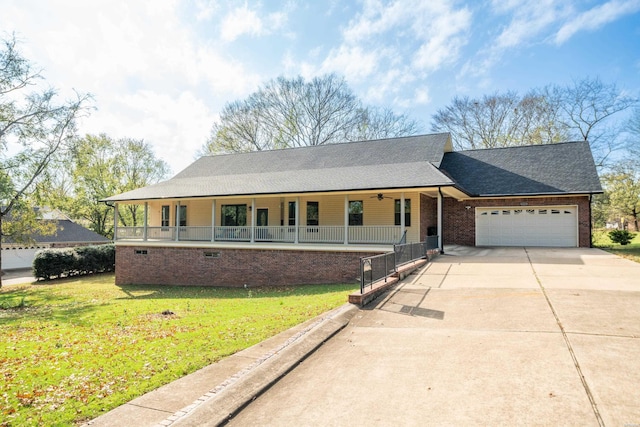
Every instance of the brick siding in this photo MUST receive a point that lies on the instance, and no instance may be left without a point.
(428, 215)
(234, 267)
(460, 226)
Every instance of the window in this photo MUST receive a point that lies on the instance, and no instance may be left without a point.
(165, 216)
(355, 212)
(181, 211)
(234, 215)
(312, 213)
(407, 212)
(292, 213)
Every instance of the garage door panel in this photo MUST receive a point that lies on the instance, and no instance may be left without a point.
(530, 226)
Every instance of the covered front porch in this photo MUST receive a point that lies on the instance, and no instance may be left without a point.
(364, 218)
(281, 234)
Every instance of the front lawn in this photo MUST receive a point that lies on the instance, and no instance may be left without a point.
(72, 349)
(630, 251)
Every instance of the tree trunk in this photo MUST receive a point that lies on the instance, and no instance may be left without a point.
(1, 270)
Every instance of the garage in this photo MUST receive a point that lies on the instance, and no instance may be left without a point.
(527, 226)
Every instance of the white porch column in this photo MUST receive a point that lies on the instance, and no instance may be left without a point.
(253, 220)
(115, 221)
(346, 219)
(178, 222)
(296, 239)
(402, 225)
(146, 220)
(440, 221)
(213, 220)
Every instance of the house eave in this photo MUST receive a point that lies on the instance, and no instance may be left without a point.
(535, 195)
(282, 194)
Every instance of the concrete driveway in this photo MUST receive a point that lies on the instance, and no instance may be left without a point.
(505, 336)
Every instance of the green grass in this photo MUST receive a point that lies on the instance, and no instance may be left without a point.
(72, 349)
(630, 251)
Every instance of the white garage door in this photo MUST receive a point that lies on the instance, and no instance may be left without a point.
(527, 226)
(18, 258)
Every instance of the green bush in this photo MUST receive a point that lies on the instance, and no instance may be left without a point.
(622, 237)
(50, 263)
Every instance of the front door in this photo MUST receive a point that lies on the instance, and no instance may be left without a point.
(263, 217)
(262, 220)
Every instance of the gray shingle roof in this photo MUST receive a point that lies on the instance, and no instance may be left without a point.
(68, 232)
(406, 162)
(396, 163)
(565, 168)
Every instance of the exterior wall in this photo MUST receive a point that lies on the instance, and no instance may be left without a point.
(233, 267)
(376, 212)
(459, 223)
(428, 215)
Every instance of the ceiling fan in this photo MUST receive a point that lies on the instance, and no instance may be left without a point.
(380, 196)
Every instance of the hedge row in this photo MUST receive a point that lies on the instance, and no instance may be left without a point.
(50, 263)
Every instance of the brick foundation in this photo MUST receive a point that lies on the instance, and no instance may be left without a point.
(460, 226)
(233, 267)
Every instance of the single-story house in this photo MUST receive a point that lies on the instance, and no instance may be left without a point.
(17, 255)
(307, 215)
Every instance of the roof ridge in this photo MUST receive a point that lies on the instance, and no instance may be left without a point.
(522, 146)
(325, 145)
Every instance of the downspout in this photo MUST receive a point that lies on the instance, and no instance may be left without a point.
(115, 220)
(590, 225)
(440, 221)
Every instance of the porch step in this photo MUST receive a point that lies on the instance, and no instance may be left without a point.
(381, 286)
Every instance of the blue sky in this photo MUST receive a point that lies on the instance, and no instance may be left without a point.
(163, 70)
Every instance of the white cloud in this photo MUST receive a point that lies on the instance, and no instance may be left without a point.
(244, 21)
(444, 38)
(151, 77)
(352, 61)
(596, 17)
(240, 21)
(529, 20)
(176, 126)
(388, 45)
(205, 9)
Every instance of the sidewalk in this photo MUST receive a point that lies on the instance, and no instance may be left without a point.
(18, 276)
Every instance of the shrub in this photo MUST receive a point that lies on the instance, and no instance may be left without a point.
(50, 263)
(621, 236)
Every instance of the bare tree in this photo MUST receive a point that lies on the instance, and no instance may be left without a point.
(379, 123)
(581, 111)
(587, 107)
(294, 113)
(499, 120)
(34, 129)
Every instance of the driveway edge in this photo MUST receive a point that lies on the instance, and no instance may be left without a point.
(216, 408)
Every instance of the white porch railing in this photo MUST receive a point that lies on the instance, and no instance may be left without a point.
(382, 234)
